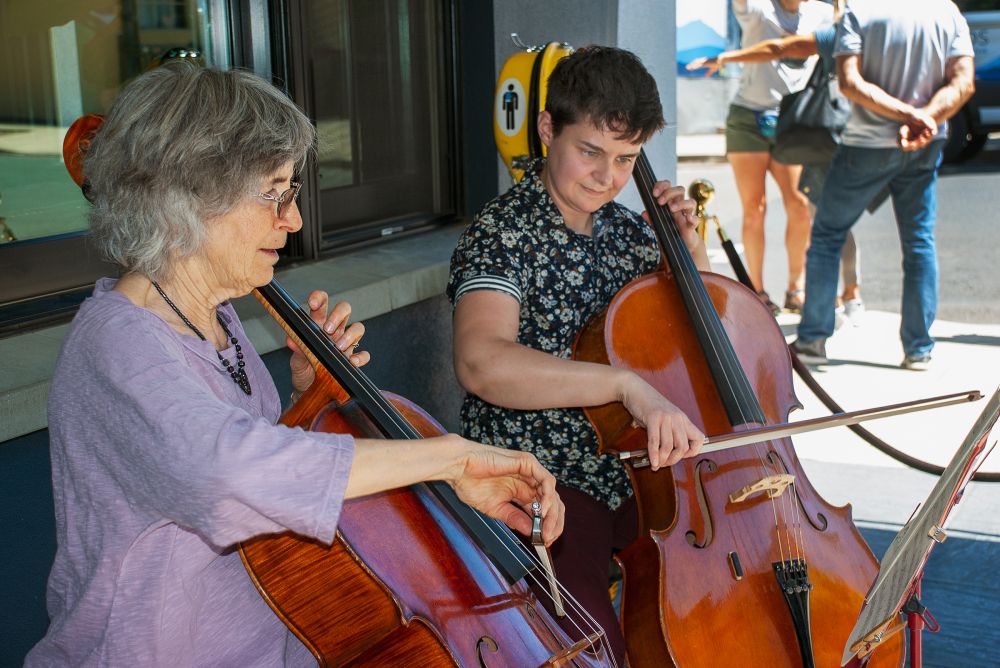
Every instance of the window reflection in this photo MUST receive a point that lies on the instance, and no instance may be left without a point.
(377, 97)
(63, 59)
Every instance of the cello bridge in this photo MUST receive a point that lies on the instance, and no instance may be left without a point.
(773, 485)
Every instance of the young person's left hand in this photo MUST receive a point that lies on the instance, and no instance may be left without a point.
(673, 197)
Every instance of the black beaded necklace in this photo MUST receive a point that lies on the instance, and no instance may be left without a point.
(238, 374)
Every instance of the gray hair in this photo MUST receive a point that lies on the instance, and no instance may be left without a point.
(182, 145)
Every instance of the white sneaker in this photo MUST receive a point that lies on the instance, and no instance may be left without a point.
(854, 311)
(916, 362)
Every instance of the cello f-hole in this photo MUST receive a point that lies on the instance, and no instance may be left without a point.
(709, 466)
(490, 644)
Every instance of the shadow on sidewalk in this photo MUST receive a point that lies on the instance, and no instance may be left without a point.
(972, 339)
(840, 362)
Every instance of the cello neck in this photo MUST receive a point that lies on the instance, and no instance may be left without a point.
(736, 393)
(327, 357)
(503, 550)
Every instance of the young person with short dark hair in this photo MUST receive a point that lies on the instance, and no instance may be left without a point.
(534, 266)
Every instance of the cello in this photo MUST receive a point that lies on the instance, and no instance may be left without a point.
(439, 584)
(739, 561)
(414, 576)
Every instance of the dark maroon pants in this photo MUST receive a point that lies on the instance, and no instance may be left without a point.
(582, 555)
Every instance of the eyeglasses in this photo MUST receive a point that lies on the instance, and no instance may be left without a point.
(285, 199)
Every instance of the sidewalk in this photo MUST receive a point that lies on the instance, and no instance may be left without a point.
(701, 147)
(864, 372)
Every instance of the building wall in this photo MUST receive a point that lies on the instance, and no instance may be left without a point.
(645, 27)
(476, 83)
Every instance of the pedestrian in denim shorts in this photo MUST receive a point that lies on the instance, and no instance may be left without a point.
(750, 129)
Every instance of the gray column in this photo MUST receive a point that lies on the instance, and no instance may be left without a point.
(647, 28)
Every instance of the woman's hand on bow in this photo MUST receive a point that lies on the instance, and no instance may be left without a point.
(503, 483)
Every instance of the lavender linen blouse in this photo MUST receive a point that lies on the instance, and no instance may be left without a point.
(160, 465)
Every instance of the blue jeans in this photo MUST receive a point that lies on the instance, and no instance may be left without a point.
(856, 175)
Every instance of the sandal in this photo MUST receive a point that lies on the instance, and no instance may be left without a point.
(764, 297)
(794, 299)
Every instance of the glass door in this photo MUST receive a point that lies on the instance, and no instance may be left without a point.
(63, 60)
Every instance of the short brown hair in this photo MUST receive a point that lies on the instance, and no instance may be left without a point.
(610, 87)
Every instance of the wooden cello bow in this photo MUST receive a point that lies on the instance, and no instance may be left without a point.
(772, 579)
(770, 432)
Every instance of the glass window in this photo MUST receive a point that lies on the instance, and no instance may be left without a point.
(64, 60)
(379, 102)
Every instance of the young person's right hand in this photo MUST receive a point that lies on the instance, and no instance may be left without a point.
(671, 435)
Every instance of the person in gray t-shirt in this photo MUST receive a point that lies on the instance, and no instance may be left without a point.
(906, 66)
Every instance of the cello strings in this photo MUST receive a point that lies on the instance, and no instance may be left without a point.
(785, 500)
(671, 237)
(795, 541)
(587, 618)
(730, 368)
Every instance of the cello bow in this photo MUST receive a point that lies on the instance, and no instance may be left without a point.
(640, 458)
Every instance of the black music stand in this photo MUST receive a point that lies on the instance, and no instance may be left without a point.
(896, 590)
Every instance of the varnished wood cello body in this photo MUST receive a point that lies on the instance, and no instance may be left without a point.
(736, 564)
(404, 584)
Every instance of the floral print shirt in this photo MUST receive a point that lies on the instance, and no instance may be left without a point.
(519, 244)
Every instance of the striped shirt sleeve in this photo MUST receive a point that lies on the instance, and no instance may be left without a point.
(489, 256)
(485, 282)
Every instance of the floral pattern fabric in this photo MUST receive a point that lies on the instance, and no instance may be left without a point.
(519, 244)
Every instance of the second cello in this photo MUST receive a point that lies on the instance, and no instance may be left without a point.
(739, 560)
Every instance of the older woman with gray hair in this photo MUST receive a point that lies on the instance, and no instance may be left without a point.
(165, 446)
